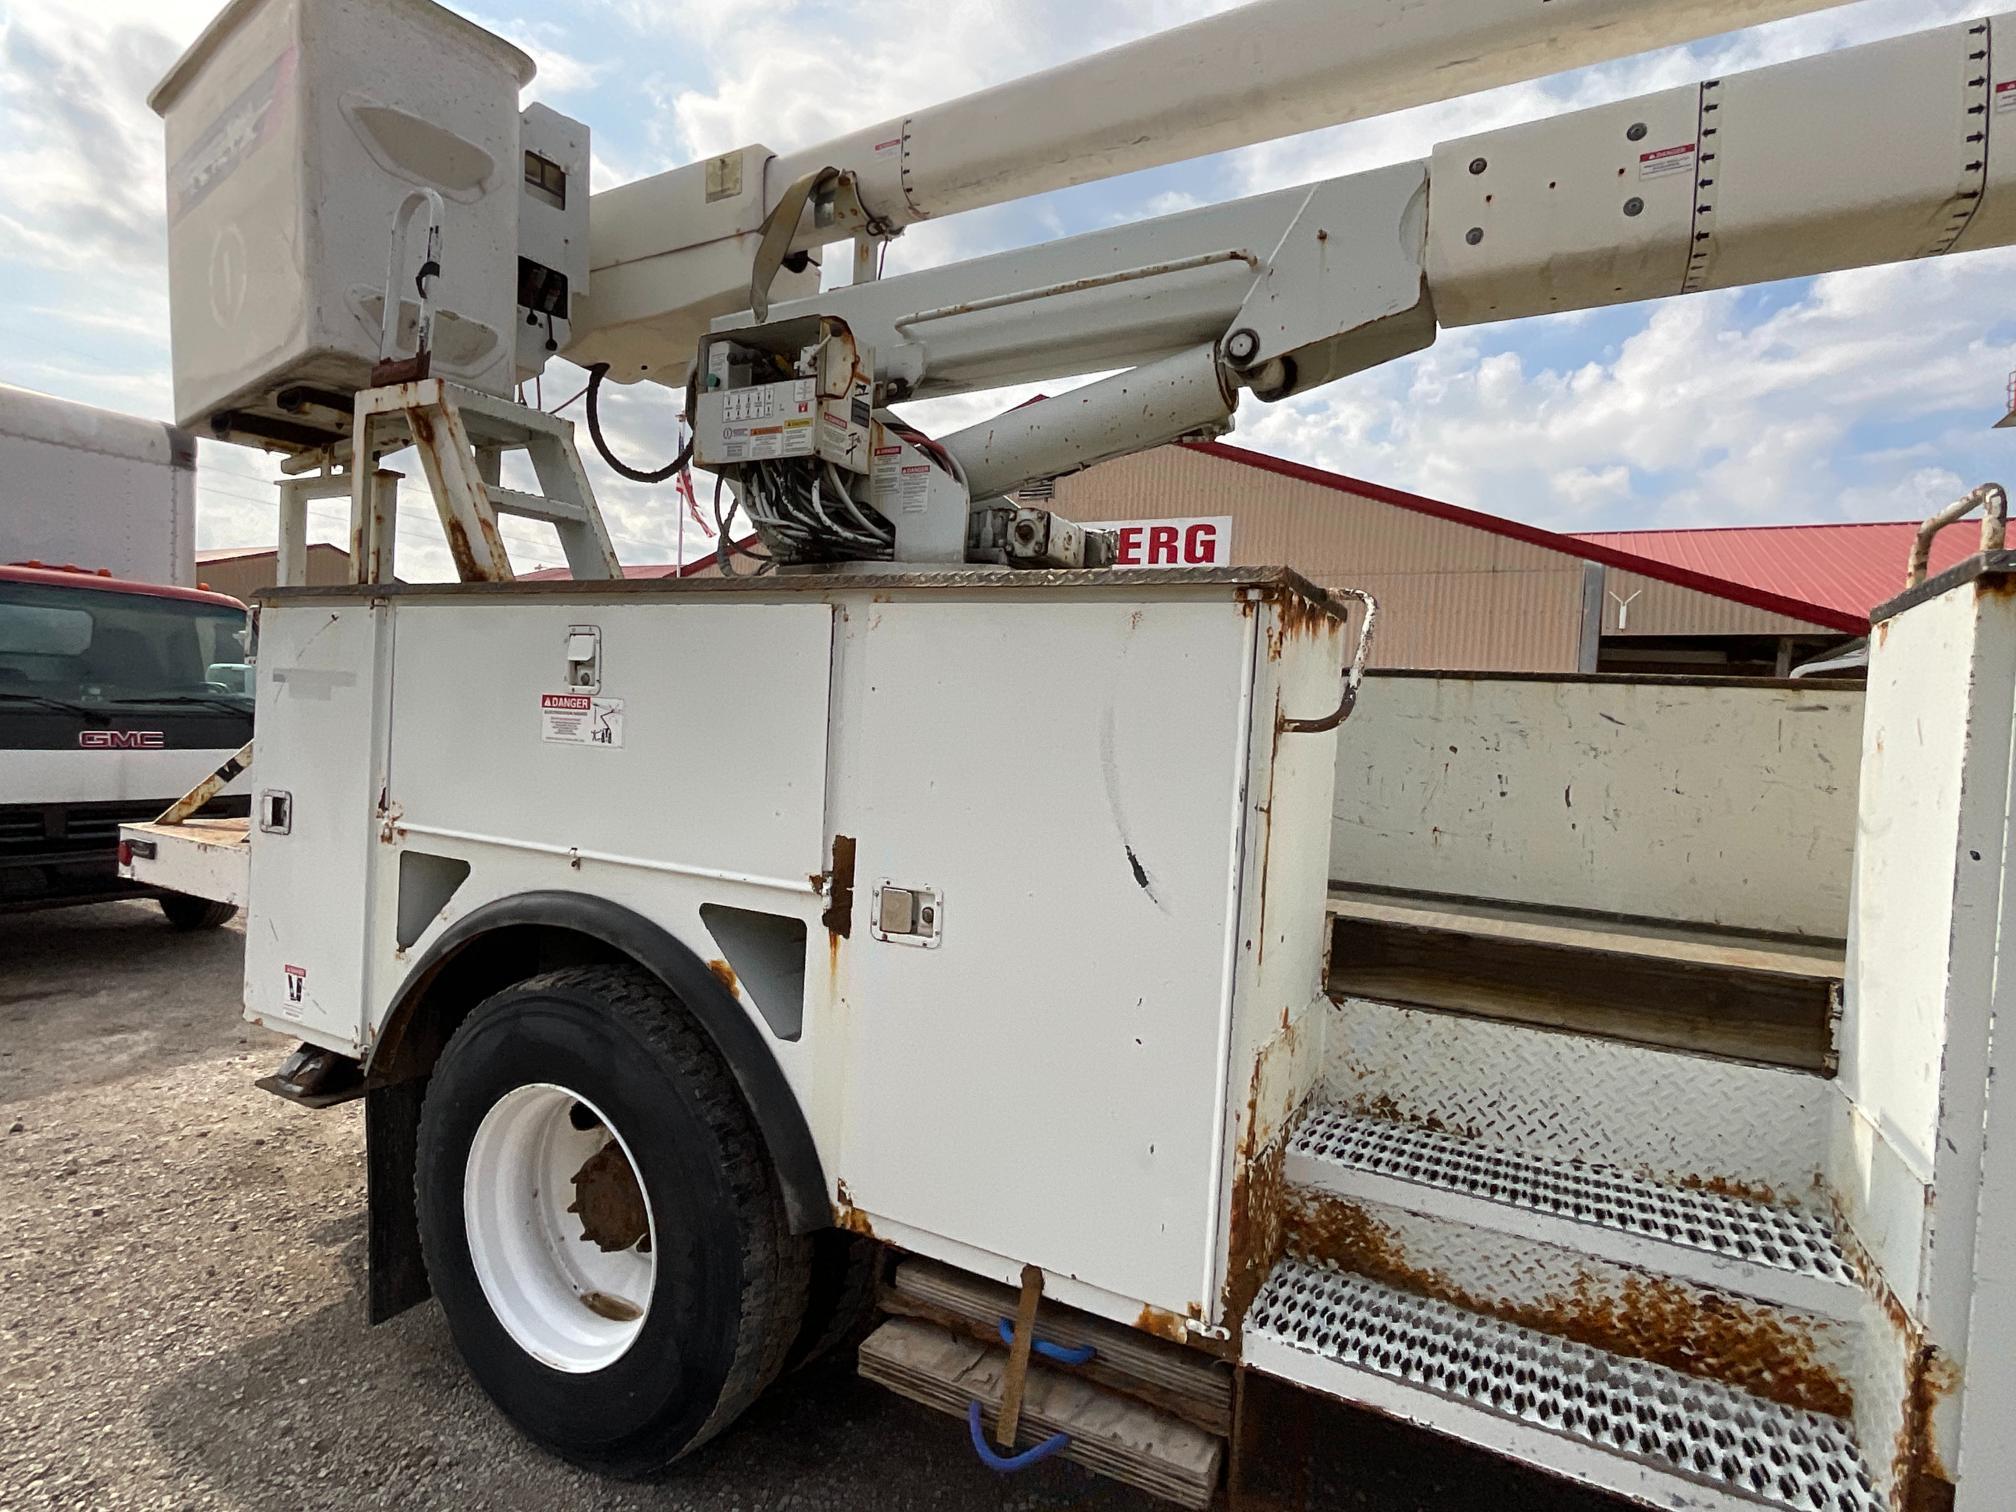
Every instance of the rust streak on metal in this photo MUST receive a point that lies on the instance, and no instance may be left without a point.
(1294, 618)
(846, 1215)
(1256, 1235)
(839, 915)
(615, 1309)
(1917, 1471)
(1164, 1325)
(1726, 1186)
(609, 1202)
(1385, 1107)
(1698, 1332)
(1918, 1475)
(725, 975)
(458, 548)
(494, 540)
(1267, 836)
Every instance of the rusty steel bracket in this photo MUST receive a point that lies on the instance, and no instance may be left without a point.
(1993, 502)
(1354, 675)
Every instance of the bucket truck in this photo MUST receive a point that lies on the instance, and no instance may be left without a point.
(970, 959)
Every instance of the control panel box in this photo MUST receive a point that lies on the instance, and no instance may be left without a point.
(802, 394)
(552, 233)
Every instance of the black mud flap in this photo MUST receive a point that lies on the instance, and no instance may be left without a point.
(397, 1273)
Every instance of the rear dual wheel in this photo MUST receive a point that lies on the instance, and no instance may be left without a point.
(601, 1222)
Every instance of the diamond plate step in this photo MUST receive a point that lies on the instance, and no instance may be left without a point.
(1683, 1119)
(1642, 1431)
(1780, 1255)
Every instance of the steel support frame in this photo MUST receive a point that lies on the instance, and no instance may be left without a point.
(461, 436)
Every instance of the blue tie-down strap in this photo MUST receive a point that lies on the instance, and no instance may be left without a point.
(1082, 1355)
(1006, 1464)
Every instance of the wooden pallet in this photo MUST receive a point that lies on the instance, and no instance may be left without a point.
(1116, 1436)
(1168, 1377)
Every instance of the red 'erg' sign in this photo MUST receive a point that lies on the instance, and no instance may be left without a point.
(1171, 543)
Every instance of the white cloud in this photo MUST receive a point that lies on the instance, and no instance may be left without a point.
(562, 71)
(791, 74)
(80, 153)
(1702, 416)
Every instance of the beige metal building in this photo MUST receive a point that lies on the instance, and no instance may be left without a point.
(242, 571)
(1459, 589)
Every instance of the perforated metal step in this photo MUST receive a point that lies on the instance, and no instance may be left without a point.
(1616, 1422)
(1782, 1239)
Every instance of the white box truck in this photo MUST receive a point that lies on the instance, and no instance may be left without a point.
(121, 683)
(89, 487)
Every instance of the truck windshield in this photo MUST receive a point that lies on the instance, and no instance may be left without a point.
(100, 648)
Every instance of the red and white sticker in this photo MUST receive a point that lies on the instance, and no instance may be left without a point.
(1666, 160)
(1170, 543)
(2005, 96)
(901, 487)
(577, 719)
(296, 978)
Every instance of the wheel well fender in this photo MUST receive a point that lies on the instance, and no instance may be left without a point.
(524, 935)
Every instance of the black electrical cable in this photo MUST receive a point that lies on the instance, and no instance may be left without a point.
(635, 474)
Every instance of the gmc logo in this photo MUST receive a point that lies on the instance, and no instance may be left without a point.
(122, 740)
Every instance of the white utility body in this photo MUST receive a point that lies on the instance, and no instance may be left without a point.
(926, 885)
(858, 728)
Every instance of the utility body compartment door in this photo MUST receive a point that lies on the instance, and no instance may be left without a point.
(1043, 1077)
(318, 740)
(696, 744)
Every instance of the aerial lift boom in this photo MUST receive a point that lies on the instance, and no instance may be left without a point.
(678, 245)
(1883, 153)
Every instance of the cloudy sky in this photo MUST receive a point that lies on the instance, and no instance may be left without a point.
(1857, 396)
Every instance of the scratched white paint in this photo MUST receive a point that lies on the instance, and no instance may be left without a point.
(1930, 918)
(1717, 805)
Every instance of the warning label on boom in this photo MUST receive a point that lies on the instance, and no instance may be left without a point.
(1666, 160)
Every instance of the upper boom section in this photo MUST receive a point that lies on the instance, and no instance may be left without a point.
(1257, 72)
(672, 251)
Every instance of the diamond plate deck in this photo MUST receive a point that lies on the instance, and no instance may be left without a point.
(1714, 1325)
(1672, 1116)
(1783, 1239)
(1331, 1331)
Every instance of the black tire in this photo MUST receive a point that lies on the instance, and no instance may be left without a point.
(187, 913)
(730, 1283)
(840, 1305)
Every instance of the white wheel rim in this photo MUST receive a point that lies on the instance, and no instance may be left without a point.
(565, 1300)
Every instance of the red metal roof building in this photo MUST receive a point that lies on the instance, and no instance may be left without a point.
(1463, 590)
(1849, 568)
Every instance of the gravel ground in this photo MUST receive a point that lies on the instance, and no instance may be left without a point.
(181, 1314)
